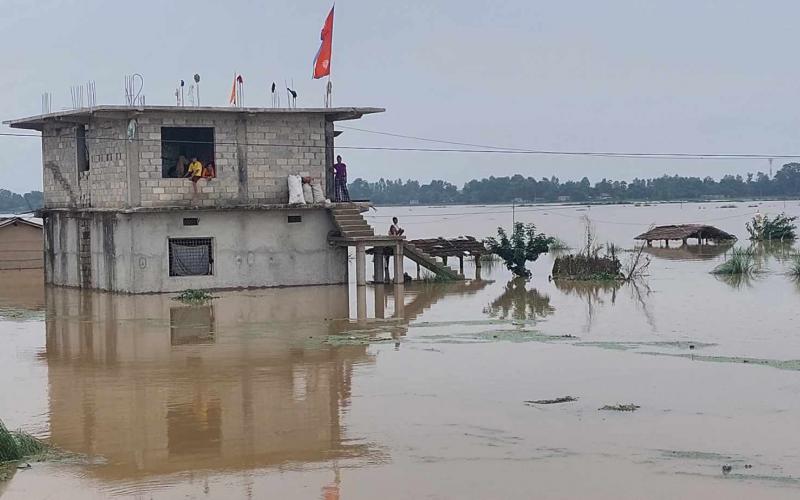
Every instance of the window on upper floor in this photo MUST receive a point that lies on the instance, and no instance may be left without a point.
(81, 151)
(181, 145)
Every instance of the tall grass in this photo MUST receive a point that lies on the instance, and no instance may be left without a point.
(16, 445)
(794, 266)
(740, 262)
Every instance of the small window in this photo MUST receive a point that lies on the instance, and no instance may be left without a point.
(179, 145)
(190, 257)
(295, 218)
(190, 221)
(81, 152)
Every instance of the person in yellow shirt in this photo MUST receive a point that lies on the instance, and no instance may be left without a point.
(195, 172)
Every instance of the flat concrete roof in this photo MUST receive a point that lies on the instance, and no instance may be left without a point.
(84, 115)
(361, 205)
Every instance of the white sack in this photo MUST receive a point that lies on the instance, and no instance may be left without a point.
(295, 189)
(307, 195)
(316, 190)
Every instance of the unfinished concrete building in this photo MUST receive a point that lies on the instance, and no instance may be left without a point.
(120, 215)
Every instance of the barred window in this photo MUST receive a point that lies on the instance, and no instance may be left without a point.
(190, 257)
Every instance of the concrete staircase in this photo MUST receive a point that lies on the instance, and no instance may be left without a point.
(429, 262)
(354, 230)
(350, 222)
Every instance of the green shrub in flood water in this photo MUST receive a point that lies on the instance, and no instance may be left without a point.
(780, 228)
(741, 261)
(16, 445)
(522, 246)
(192, 296)
(584, 267)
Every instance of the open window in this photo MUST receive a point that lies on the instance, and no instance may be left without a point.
(179, 145)
(191, 257)
(81, 151)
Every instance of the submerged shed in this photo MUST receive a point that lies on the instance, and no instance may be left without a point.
(683, 232)
(21, 244)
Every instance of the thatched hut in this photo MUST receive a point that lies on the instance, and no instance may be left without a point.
(684, 232)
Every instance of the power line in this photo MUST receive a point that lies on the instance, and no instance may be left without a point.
(484, 150)
(554, 210)
(505, 149)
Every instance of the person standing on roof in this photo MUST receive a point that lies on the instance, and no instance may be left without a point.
(340, 192)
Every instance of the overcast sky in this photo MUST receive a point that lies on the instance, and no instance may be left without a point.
(651, 76)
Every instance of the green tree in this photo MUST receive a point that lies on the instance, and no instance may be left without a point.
(524, 245)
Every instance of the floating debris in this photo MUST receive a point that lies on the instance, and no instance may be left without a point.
(620, 407)
(343, 340)
(726, 469)
(193, 296)
(564, 399)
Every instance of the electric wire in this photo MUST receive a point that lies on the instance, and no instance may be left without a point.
(482, 150)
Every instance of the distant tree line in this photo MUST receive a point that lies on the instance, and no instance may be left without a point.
(11, 202)
(785, 183)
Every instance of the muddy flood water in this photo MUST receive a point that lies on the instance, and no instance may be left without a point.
(419, 391)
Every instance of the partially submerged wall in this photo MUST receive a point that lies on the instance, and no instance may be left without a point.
(128, 252)
(20, 247)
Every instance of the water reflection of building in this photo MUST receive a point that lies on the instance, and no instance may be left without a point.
(398, 305)
(689, 252)
(156, 387)
(21, 292)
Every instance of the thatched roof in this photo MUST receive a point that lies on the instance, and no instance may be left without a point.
(684, 231)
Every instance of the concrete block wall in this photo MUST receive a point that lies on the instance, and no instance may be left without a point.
(157, 191)
(279, 146)
(253, 157)
(254, 154)
(59, 156)
(108, 181)
(104, 185)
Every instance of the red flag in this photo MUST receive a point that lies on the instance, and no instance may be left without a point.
(322, 61)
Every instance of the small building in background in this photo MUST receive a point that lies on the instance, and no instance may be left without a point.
(120, 215)
(20, 244)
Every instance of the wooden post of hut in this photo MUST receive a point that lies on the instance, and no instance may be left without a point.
(461, 264)
(477, 267)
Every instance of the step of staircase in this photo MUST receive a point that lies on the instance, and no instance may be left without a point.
(345, 211)
(359, 227)
(350, 222)
(358, 233)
